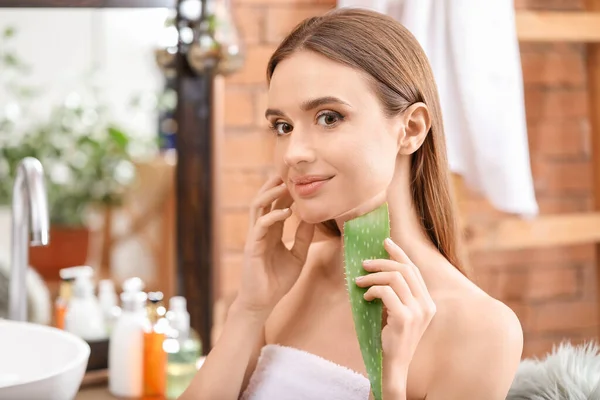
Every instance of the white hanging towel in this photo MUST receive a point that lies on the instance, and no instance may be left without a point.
(473, 49)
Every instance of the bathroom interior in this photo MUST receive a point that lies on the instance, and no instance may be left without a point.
(130, 151)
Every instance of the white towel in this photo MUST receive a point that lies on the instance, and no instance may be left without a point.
(473, 49)
(287, 373)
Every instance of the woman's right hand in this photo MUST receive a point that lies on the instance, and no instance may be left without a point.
(270, 269)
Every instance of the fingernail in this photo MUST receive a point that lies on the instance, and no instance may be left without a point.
(285, 209)
(365, 262)
(388, 241)
(358, 279)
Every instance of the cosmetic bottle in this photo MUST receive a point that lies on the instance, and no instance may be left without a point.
(109, 303)
(84, 316)
(183, 347)
(67, 279)
(126, 347)
(62, 302)
(134, 284)
(155, 358)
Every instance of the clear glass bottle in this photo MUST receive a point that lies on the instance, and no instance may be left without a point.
(183, 347)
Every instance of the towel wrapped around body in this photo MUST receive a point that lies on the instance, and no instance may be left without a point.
(287, 373)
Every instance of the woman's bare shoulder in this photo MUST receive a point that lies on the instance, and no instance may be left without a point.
(468, 314)
(465, 311)
(478, 342)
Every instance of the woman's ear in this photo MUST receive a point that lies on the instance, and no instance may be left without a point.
(417, 123)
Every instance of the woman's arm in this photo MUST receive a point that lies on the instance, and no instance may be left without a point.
(229, 365)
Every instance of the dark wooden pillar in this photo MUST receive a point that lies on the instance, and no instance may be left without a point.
(195, 194)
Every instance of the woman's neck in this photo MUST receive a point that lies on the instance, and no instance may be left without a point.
(406, 228)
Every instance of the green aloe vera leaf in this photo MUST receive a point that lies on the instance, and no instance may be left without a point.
(363, 239)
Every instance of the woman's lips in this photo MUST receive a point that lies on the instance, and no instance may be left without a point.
(309, 188)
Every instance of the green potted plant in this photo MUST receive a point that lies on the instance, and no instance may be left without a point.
(85, 157)
(85, 165)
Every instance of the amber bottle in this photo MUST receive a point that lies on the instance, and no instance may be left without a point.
(155, 358)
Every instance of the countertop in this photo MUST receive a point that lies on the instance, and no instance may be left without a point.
(95, 386)
(99, 392)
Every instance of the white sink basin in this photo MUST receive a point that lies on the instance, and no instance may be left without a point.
(40, 362)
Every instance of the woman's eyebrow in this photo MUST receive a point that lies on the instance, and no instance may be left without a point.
(308, 105)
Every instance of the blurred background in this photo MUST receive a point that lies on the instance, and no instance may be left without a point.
(136, 136)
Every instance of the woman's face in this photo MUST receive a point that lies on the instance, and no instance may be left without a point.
(335, 148)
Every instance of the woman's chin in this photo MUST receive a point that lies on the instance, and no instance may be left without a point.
(313, 216)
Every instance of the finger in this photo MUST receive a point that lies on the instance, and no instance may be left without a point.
(266, 221)
(409, 272)
(283, 201)
(302, 241)
(399, 255)
(396, 252)
(419, 278)
(272, 181)
(388, 297)
(263, 202)
(393, 279)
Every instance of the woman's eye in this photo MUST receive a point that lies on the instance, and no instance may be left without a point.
(282, 128)
(329, 119)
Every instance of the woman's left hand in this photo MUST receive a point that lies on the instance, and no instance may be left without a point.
(409, 308)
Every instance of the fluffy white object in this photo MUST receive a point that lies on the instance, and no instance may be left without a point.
(567, 373)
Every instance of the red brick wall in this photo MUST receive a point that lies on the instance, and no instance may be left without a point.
(552, 290)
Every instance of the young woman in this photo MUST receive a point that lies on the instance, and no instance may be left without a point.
(354, 107)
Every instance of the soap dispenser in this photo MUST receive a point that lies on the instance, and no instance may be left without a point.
(84, 316)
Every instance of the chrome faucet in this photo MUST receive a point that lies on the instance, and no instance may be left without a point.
(29, 204)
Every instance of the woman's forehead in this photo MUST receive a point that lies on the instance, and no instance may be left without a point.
(306, 76)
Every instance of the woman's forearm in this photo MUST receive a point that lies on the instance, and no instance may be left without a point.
(395, 376)
(222, 373)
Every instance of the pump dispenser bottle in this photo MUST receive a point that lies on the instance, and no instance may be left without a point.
(84, 316)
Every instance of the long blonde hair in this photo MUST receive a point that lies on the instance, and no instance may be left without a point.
(401, 76)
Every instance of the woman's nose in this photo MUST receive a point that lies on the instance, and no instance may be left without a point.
(299, 149)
